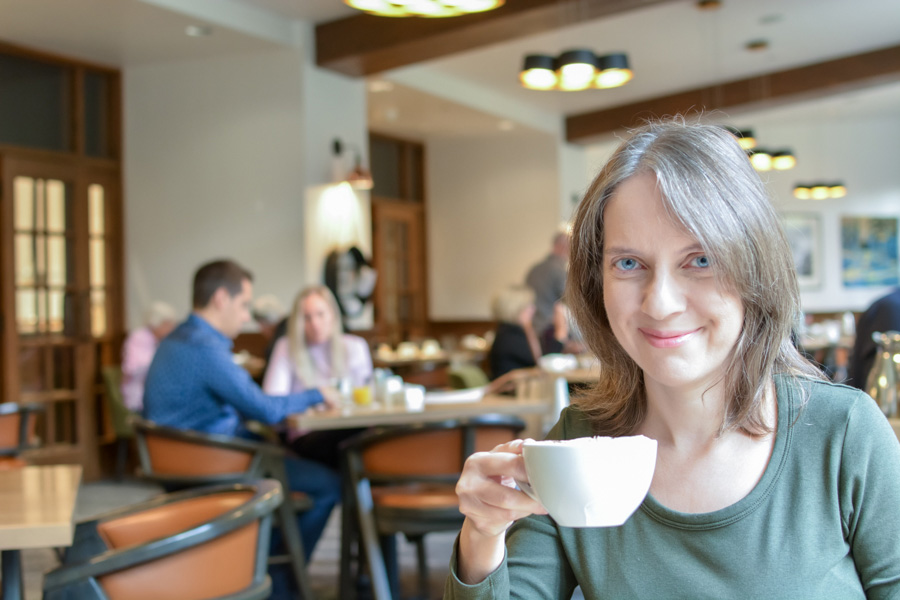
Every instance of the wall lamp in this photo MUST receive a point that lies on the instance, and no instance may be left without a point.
(358, 177)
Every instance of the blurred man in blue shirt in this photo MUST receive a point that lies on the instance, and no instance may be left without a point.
(193, 383)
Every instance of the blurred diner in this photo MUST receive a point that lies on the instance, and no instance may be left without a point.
(882, 316)
(138, 350)
(193, 383)
(316, 352)
(516, 345)
(548, 280)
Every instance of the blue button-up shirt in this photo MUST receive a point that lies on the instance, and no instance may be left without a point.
(193, 383)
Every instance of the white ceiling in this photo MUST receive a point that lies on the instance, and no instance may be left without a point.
(671, 47)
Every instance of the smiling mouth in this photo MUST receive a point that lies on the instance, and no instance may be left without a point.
(667, 339)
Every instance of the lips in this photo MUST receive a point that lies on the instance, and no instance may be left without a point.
(667, 339)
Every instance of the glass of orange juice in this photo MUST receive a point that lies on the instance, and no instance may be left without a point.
(362, 395)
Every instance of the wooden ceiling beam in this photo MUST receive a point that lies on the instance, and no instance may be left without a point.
(772, 89)
(364, 44)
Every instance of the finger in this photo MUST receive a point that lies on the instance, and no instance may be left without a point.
(495, 503)
(496, 464)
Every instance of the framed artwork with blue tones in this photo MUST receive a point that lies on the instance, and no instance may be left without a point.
(804, 233)
(869, 251)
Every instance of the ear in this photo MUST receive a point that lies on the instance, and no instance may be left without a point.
(220, 297)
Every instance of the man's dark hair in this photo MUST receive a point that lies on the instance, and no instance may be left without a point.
(217, 274)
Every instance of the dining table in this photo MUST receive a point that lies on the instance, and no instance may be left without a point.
(351, 416)
(37, 505)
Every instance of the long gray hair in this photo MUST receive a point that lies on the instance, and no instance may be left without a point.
(709, 188)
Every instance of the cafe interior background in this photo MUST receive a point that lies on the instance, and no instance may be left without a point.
(227, 120)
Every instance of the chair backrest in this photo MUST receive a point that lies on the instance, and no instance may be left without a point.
(118, 412)
(467, 376)
(205, 543)
(432, 451)
(184, 457)
(17, 429)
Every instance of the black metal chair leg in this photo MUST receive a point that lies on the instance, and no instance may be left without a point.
(121, 457)
(424, 588)
(287, 520)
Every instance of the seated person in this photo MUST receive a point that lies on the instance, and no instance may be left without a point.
(882, 316)
(515, 344)
(138, 351)
(683, 284)
(317, 352)
(563, 337)
(193, 383)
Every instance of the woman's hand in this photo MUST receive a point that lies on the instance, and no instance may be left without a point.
(490, 501)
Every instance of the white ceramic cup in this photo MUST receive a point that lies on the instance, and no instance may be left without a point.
(415, 397)
(590, 482)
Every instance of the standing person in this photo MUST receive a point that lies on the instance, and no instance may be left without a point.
(883, 315)
(516, 345)
(548, 280)
(138, 350)
(770, 482)
(316, 352)
(193, 383)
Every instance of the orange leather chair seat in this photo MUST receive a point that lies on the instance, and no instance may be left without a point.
(415, 496)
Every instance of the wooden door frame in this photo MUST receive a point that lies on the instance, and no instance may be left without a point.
(80, 172)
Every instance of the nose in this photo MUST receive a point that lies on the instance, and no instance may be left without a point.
(663, 296)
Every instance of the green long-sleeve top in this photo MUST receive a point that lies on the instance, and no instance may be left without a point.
(823, 522)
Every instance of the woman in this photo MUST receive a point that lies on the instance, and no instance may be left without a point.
(138, 350)
(770, 482)
(314, 353)
(515, 346)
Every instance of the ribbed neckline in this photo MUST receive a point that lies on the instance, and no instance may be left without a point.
(786, 406)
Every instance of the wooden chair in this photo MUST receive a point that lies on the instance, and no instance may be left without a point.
(202, 543)
(402, 480)
(17, 432)
(120, 416)
(179, 458)
(467, 376)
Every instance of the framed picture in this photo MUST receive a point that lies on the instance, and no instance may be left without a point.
(869, 251)
(804, 233)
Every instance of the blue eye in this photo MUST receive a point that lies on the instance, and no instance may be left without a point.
(701, 261)
(626, 264)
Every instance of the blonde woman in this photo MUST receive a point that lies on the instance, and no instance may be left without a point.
(316, 353)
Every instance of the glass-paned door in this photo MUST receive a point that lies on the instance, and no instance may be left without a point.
(399, 261)
(55, 241)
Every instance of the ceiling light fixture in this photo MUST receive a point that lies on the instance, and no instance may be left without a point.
(423, 8)
(760, 158)
(709, 4)
(820, 191)
(575, 70)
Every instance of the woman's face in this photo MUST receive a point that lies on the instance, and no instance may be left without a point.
(318, 319)
(664, 301)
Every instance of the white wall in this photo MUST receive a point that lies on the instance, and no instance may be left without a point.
(213, 150)
(493, 206)
(219, 157)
